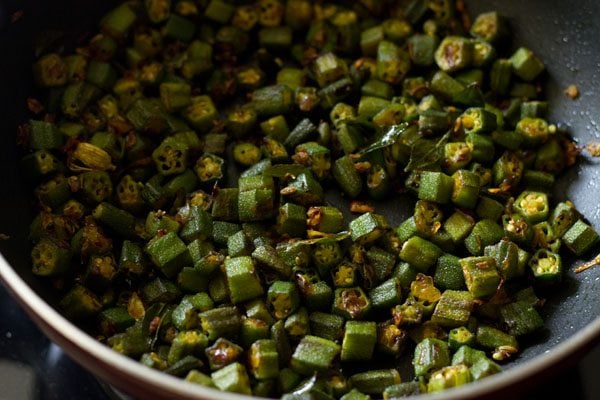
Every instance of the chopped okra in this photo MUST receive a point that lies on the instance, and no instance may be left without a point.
(183, 170)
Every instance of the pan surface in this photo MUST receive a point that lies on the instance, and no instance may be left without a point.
(561, 33)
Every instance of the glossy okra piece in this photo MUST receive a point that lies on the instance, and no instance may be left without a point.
(232, 378)
(387, 294)
(506, 254)
(191, 342)
(449, 377)
(220, 322)
(453, 309)
(314, 354)
(525, 64)
(521, 318)
(420, 253)
(268, 256)
(168, 253)
(359, 340)
(436, 187)
(374, 382)
(430, 355)
(347, 176)
(580, 237)
(242, 279)
(304, 190)
(50, 257)
(485, 233)
(562, 218)
(328, 326)
(481, 277)
(351, 303)
(367, 228)
(282, 299)
(459, 337)
(546, 266)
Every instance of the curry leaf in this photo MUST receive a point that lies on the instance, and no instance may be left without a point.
(389, 137)
(426, 152)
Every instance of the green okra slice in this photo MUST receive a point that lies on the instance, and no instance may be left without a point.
(263, 359)
(448, 377)
(242, 279)
(368, 227)
(168, 253)
(220, 322)
(359, 340)
(314, 354)
(481, 276)
(376, 381)
(232, 378)
(453, 309)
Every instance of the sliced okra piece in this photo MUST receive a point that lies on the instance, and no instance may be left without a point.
(457, 155)
(503, 344)
(304, 190)
(314, 354)
(525, 64)
(131, 261)
(351, 303)
(489, 26)
(436, 187)
(326, 255)
(209, 168)
(282, 299)
(54, 192)
(517, 229)
(430, 355)
(297, 325)
(393, 62)
(225, 204)
(454, 53)
(427, 218)
(453, 309)
(485, 233)
(253, 329)
(347, 176)
(303, 132)
(220, 322)
(459, 337)
(242, 279)
(546, 266)
(580, 237)
(291, 220)
(368, 228)
(255, 205)
(359, 340)
(159, 291)
(376, 381)
(168, 253)
(191, 342)
(506, 254)
(449, 377)
(315, 157)
(481, 276)
(550, 157)
(521, 318)
(533, 131)
(50, 257)
(268, 256)
(272, 100)
(325, 219)
(458, 226)
(232, 378)
(420, 253)
(562, 218)
(448, 273)
(327, 326)
(79, 303)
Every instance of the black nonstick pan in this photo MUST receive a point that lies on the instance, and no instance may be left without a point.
(564, 34)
